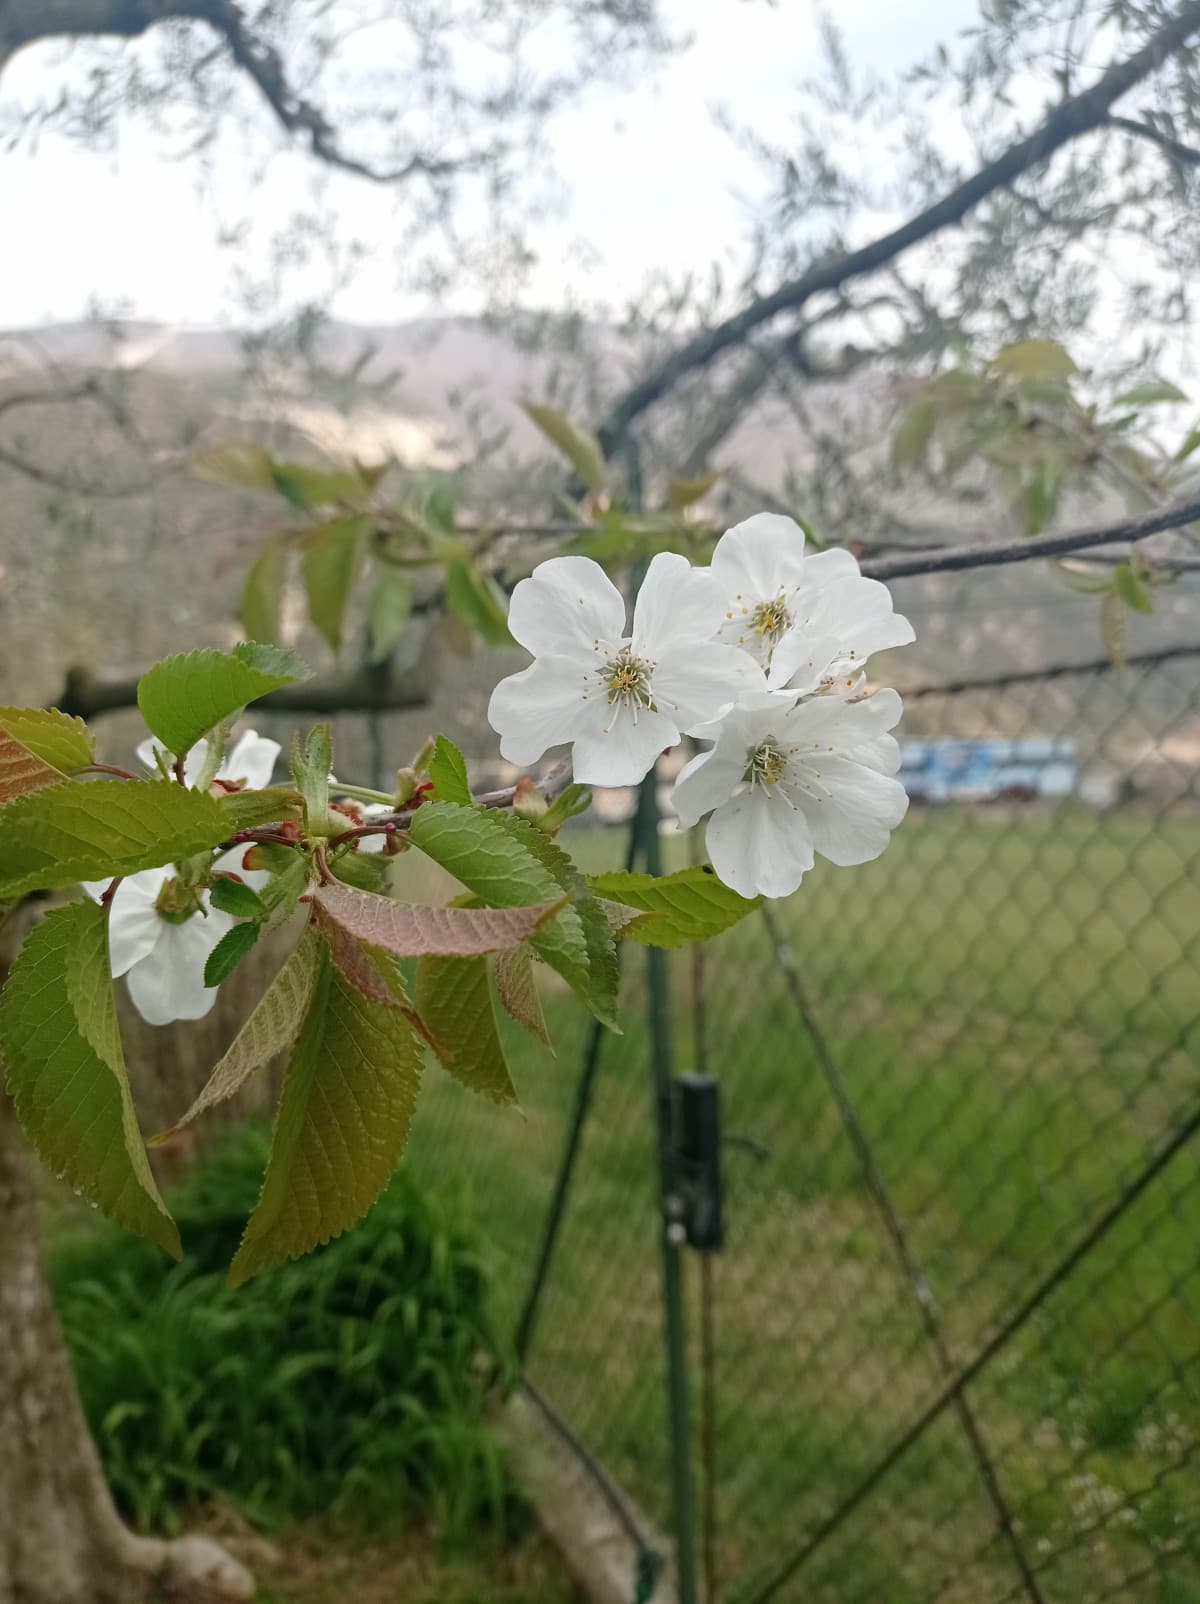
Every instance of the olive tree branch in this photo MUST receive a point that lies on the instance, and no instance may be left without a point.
(1069, 120)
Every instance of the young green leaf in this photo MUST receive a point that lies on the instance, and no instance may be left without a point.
(64, 743)
(684, 493)
(244, 465)
(233, 946)
(349, 1093)
(270, 1030)
(518, 991)
(477, 602)
(237, 898)
(412, 930)
(87, 831)
(389, 607)
(262, 594)
(911, 436)
(1151, 392)
(691, 905)
(1131, 589)
(307, 487)
(454, 997)
(21, 772)
(1034, 359)
(510, 863)
(568, 804)
(447, 769)
(273, 805)
(330, 568)
(312, 761)
(581, 448)
(184, 697)
(1114, 630)
(66, 1072)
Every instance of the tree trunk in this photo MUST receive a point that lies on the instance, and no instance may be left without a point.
(61, 1539)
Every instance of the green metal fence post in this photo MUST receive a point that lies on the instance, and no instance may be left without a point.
(674, 1330)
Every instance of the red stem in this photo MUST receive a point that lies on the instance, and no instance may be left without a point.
(359, 830)
(110, 891)
(108, 768)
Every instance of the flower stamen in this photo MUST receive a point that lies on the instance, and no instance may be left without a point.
(626, 679)
(771, 619)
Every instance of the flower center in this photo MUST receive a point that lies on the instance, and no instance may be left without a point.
(627, 680)
(176, 902)
(766, 764)
(771, 619)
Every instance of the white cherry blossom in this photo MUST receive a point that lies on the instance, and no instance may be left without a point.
(619, 698)
(160, 932)
(810, 620)
(788, 779)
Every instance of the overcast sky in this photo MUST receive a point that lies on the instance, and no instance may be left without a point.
(651, 180)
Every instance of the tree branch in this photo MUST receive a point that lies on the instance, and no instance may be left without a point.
(995, 554)
(1069, 120)
(24, 22)
(1184, 155)
(87, 695)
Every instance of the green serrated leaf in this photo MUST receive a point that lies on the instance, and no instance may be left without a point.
(184, 697)
(1151, 392)
(237, 898)
(275, 804)
(64, 743)
(454, 997)
(413, 930)
(270, 1030)
(262, 594)
(911, 436)
(447, 768)
(477, 602)
(88, 831)
(307, 487)
(330, 568)
(510, 863)
(517, 990)
(691, 905)
(1131, 589)
(312, 763)
(238, 464)
(579, 446)
(1034, 359)
(283, 890)
(66, 1073)
(349, 1093)
(389, 607)
(684, 493)
(233, 946)
(367, 871)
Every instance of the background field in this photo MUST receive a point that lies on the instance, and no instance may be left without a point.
(1010, 996)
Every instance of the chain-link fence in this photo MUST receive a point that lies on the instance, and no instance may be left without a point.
(950, 1349)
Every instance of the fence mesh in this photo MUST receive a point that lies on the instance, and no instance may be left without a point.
(955, 1326)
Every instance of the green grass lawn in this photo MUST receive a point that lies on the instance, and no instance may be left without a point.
(1014, 1004)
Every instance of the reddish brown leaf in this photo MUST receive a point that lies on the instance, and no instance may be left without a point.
(519, 993)
(21, 772)
(412, 930)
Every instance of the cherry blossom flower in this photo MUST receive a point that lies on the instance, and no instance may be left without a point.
(811, 621)
(160, 930)
(788, 779)
(619, 698)
(160, 934)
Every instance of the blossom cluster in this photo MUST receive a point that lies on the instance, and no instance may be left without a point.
(761, 655)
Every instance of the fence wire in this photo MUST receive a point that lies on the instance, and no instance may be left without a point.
(951, 1348)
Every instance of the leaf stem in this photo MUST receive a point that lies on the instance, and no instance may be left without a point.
(386, 828)
(362, 793)
(110, 891)
(108, 768)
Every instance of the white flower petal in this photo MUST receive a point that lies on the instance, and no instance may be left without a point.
(760, 845)
(821, 568)
(543, 706)
(676, 604)
(565, 605)
(252, 761)
(802, 659)
(696, 682)
(708, 781)
(168, 984)
(831, 722)
(621, 752)
(859, 613)
(134, 925)
(759, 555)
(854, 822)
(193, 764)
